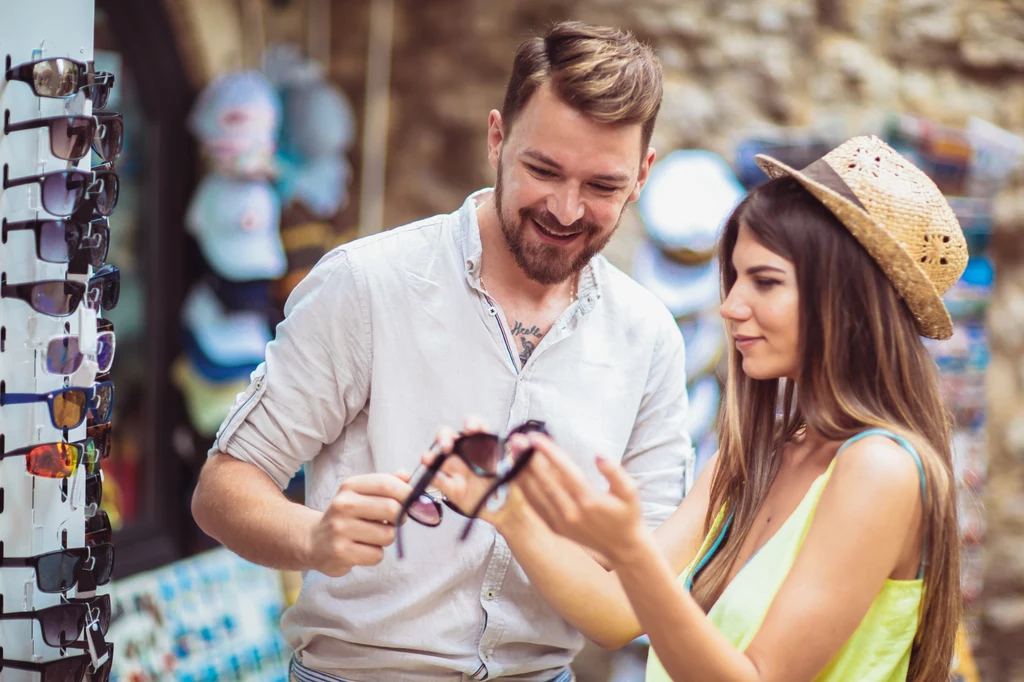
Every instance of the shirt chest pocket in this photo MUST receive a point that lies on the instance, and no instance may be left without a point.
(244, 404)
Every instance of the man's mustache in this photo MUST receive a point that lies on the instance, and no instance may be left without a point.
(549, 222)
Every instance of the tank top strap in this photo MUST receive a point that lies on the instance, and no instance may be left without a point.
(909, 447)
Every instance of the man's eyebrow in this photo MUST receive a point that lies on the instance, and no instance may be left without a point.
(603, 177)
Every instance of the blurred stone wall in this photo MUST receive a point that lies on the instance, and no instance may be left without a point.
(732, 67)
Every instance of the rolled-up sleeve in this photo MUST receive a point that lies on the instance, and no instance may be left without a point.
(659, 447)
(315, 379)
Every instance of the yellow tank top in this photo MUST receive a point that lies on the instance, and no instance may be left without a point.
(878, 650)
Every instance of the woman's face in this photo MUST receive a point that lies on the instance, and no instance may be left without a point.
(762, 310)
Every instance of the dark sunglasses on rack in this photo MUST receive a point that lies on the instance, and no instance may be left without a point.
(483, 454)
(63, 354)
(97, 88)
(57, 77)
(108, 140)
(105, 288)
(61, 297)
(60, 625)
(100, 435)
(61, 78)
(57, 460)
(98, 530)
(71, 137)
(105, 189)
(69, 406)
(61, 570)
(58, 241)
(71, 669)
(98, 610)
(61, 192)
(94, 491)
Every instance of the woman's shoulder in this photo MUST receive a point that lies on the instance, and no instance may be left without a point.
(876, 463)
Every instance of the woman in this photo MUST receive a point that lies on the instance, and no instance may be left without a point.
(821, 540)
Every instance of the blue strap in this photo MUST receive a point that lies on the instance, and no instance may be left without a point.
(906, 445)
(710, 553)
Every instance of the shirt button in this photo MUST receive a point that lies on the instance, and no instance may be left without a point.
(491, 595)
(492, 311)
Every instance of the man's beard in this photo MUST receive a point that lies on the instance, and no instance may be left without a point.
(547, 263)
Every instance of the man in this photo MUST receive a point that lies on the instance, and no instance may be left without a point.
(503, 309)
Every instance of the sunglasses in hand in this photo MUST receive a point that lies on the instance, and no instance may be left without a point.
(486, 456)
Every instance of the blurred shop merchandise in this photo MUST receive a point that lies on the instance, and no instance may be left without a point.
(314, 173)
(209, 618)
(56, 539)
(683, 206)
(236, 120)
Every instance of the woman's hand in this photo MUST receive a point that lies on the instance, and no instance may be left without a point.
(608, 522)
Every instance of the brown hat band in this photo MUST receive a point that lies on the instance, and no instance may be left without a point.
(824, 174)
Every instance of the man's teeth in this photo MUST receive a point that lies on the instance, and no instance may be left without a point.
(557, 234)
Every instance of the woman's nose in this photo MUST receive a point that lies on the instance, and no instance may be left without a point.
(733, 308)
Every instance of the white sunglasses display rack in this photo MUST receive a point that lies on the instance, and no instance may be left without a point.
(37, 514)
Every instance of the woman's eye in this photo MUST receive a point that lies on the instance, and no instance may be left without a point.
(763, 283)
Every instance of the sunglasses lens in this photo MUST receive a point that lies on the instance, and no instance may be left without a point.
(63, 624)
(70, 137)
(94, 490)
(55, 78)
(100, 435)
(53, 460)
(104, 405)
(69, 408)
(104, 566)
(105, 351)
(58, 241)
(57, 571)
(63, 192)
(110, 138)
(481, 450)
(63, 356)
(426, 510)
(56, 298)
(99, 93)
(108, 192)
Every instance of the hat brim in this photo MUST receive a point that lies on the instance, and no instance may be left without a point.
(909, 280)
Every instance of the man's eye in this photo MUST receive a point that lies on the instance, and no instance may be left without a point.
(542, 172)
(605, 188)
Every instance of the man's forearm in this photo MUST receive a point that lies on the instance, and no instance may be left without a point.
(241, 507)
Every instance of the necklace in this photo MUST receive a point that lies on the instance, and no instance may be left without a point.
(572, 289)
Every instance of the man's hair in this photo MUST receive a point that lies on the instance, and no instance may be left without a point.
(603, 72)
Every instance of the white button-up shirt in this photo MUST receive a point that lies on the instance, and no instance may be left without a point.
(391, 336)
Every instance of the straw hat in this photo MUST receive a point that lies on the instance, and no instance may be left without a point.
(897, 214)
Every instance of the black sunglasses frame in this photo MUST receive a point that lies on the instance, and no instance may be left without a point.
(41, 615)
(91, 238)
(24, 73)
(86, 179)
(421, 485)
(48, 122)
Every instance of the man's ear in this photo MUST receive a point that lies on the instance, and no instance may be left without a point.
(495, 137)
(644, 173)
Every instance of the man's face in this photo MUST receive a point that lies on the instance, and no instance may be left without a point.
(563, 183)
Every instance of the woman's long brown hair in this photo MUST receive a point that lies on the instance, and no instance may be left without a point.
(863, 366)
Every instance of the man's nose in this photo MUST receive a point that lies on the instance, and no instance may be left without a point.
(566, 206)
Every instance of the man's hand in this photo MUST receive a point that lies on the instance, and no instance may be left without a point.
(358, 523)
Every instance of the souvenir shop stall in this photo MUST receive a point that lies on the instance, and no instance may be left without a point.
(224, 196)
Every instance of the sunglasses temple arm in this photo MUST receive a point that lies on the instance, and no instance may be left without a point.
(512, 473)
(18, 398)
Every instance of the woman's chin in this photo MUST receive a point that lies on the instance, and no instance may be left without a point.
(759, 371)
